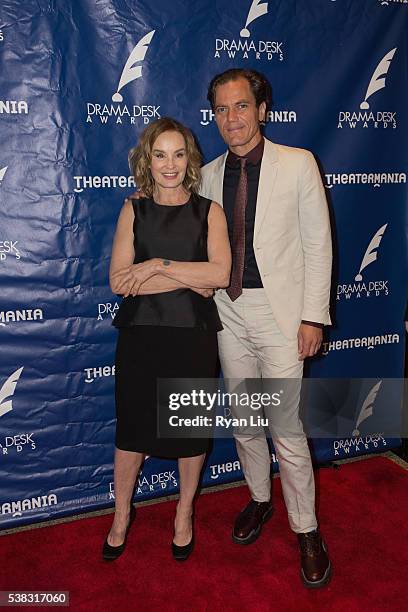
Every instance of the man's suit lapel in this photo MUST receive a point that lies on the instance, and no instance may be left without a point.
(267, 178)
(218, 180)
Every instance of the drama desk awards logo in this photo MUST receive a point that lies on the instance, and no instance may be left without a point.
(8, 248)
(358, 443)
(107, 310)
(2, 174)
(151, 482)
(361, 288)
(365, 116)
(257, 9)
(132, 69)
(13, 443)
(367, 408)
(7, 391)
(118, 112)
(246, 47)
(371, 252)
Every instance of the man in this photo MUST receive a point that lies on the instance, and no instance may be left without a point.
(278, 301)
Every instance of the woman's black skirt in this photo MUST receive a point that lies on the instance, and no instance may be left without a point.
(144, 354)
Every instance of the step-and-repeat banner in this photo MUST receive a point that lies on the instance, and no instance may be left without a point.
(79, 81)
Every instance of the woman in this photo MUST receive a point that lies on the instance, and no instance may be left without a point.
(170, 250)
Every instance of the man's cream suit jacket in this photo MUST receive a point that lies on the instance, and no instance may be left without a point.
(292, 238)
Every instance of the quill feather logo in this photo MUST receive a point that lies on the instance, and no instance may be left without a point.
(367, 407)
(131, 71)
(2, 173)
(371, 253)
(7, 391)
(377, 81)
(258, 8)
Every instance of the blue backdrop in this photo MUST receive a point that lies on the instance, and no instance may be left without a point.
(79, 80)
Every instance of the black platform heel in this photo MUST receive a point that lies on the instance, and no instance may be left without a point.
(110, 553)
(182, 553)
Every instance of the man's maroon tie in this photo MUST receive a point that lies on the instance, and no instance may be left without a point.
(238, 234)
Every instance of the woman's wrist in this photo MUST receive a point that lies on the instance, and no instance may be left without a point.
(161, 266)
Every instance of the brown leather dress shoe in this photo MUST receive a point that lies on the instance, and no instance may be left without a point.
(315, 562)
(249, 522)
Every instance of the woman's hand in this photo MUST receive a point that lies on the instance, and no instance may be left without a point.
(130, 278)
(208, 292)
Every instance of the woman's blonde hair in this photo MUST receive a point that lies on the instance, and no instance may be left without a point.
(140, 156)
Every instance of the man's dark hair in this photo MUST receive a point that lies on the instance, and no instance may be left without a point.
(259, 85)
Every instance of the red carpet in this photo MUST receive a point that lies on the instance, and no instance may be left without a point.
(363, 516)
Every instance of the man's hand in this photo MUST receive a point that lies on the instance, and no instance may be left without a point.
(309, 340)
(131, 277)
(136, 195)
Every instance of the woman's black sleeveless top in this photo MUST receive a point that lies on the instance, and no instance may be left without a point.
(170, 232)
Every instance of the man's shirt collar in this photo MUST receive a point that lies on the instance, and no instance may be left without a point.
(253, 157)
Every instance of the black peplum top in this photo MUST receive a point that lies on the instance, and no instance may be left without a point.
(170, 232)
